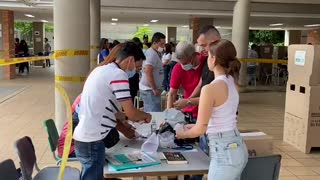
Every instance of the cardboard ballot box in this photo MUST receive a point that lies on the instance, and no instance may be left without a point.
(304, 65)
(258, 143)
(302, 117)
(302, 111)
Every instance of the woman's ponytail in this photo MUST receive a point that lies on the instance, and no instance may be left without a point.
(234, 69)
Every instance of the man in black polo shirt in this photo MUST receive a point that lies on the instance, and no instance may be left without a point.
(208, 34)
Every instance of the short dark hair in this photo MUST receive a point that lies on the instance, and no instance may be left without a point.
(137, 41)
(168, 48)
(46, 39)
(17, 40)
(131, 49)
(208, 30)
(157, 37)
(253, 46)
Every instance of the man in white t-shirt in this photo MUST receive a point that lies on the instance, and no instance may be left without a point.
(152, 75)
(106, 92)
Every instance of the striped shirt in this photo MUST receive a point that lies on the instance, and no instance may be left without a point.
(104, 89)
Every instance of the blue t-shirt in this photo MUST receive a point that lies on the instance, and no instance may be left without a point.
(103, 54)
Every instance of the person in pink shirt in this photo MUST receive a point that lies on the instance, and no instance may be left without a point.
(75, 121)
(185, 74)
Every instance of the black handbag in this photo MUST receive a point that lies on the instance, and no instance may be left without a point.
(112, 138)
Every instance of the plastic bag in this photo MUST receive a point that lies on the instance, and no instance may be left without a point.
(173, 117)
(167, 140)
(151, 144)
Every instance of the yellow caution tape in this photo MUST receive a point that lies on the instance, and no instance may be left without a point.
(58, 54)
(267, 61)
(5, 62)
(70, 53)
(95, 47)
(67, 142)
(69, 78)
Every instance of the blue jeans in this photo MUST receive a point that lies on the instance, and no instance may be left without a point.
(92, 158)
(166, 80)
(229, 155)
(151, 103)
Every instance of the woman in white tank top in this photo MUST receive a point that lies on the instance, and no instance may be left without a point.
(217, 115)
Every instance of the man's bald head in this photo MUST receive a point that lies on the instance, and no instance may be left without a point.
(208, 34)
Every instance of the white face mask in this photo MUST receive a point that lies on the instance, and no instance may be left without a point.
(160, 49)
(198, 49)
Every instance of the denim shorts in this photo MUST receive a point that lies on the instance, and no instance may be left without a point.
(151, 103)
(229, 155)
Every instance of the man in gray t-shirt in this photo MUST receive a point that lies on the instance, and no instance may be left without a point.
(47, 51)
(152, 75)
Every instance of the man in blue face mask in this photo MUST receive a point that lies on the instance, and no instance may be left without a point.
(187, 75)
(105, 92)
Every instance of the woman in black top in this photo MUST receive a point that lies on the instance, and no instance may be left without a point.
(23, 52)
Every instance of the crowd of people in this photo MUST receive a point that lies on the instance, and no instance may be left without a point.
(207, 75)
(22, 50)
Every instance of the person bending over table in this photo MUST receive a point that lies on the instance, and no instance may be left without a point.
(105, 92)
(185, 74)
(217, 117)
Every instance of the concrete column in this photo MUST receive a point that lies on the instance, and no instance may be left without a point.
(197, 24)
(95, 30)
(171, 34)
(287, 38)
(8, 42)
(292, 37)
(240, 34)
(72, 31)
(38, 37)
(2, 68)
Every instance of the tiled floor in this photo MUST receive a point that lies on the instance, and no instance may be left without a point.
(24, 113)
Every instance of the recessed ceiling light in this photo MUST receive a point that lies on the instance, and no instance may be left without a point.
(154, 20)
(113, 24)
(218, 27)
(185, 26)
(114, 19)
(277, 24)
(146, 25)
(44, 21)
(29, 15)
(312, 25)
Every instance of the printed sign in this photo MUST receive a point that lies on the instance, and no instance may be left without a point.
(300, 58)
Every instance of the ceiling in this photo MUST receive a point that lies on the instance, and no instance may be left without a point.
(293, 14)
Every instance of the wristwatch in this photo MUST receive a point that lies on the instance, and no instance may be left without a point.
(189, 103)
